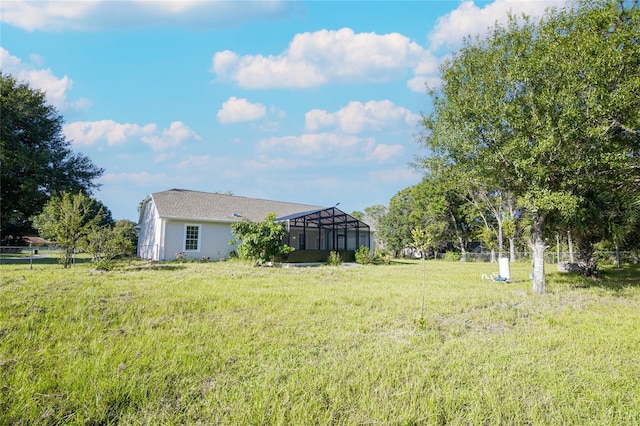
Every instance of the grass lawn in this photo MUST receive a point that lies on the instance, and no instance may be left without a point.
(226, 343)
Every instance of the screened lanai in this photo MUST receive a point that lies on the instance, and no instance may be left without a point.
(322, 231)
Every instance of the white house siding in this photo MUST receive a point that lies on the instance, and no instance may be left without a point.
(149, 238)
(214, 240)
(174, 239)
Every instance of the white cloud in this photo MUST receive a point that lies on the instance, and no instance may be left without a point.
(313, 59)
(194, 161)
(137, 179)
(322, 146)
(382, 153)
(470, 19)
(176, 134)
(42, 79)
(113, 133)
(42, 15)
(94, 15)
(91, 132)
(236, 110)
(403, 176)
(329, 56)
(357, 117)
(264, 163)
(419, 84)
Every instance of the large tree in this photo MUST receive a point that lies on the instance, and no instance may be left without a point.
(394, 228)
(545, 110)
(36, 159)
(67, 219)
(439, 198)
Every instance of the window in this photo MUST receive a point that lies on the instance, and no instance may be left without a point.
(192, 238)
(302, 244)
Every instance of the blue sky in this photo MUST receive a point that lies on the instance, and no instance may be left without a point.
(309, 102)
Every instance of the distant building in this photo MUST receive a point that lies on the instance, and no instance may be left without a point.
(199, 225)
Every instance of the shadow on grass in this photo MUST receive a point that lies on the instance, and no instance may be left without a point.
(49, 260)
(153, 267)
(612, 278)
(403, 262)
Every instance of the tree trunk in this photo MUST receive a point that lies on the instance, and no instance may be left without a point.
(461, 242)
(617, 254)
(463, 249)
(500, 238)
(570, 242)
(538, 248)
(512, 239)
(587, 258)
(493, 255)
(512, 249)
(67, 256)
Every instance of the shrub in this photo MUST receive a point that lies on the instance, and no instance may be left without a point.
(103, 264)
(363, 255)
(452, 256)
(260, 241)
(334, 259)
(383, 256)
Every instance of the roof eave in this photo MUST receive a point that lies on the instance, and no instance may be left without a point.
(198, 219)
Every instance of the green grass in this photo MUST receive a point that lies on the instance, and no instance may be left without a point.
(225, 343)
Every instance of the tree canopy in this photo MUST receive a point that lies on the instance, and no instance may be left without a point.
(37, 161)
(67, 219)
(545, 111)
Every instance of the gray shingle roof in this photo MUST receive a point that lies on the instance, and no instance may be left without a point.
(194, 205)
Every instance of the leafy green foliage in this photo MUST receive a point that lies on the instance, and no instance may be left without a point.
(260, 241)
(452, 256)
(363, 255)
(375, 214)
(106, 243)
(440, 197)
(66, 220)
(357, 215)
(545, 111)
(383, 256)
(334, 259)
(395, 226)
(37, 161)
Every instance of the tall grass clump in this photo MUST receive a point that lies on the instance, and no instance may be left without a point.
(226, 343)
(363, 255)
(334, 259)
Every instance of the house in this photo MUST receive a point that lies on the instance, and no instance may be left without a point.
(198, 224)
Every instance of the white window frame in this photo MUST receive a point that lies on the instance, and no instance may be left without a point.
(184, 237)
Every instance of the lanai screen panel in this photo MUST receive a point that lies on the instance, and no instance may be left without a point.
(332, 221)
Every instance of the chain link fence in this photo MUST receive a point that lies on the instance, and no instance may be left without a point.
(604, 257)
(26, 254)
